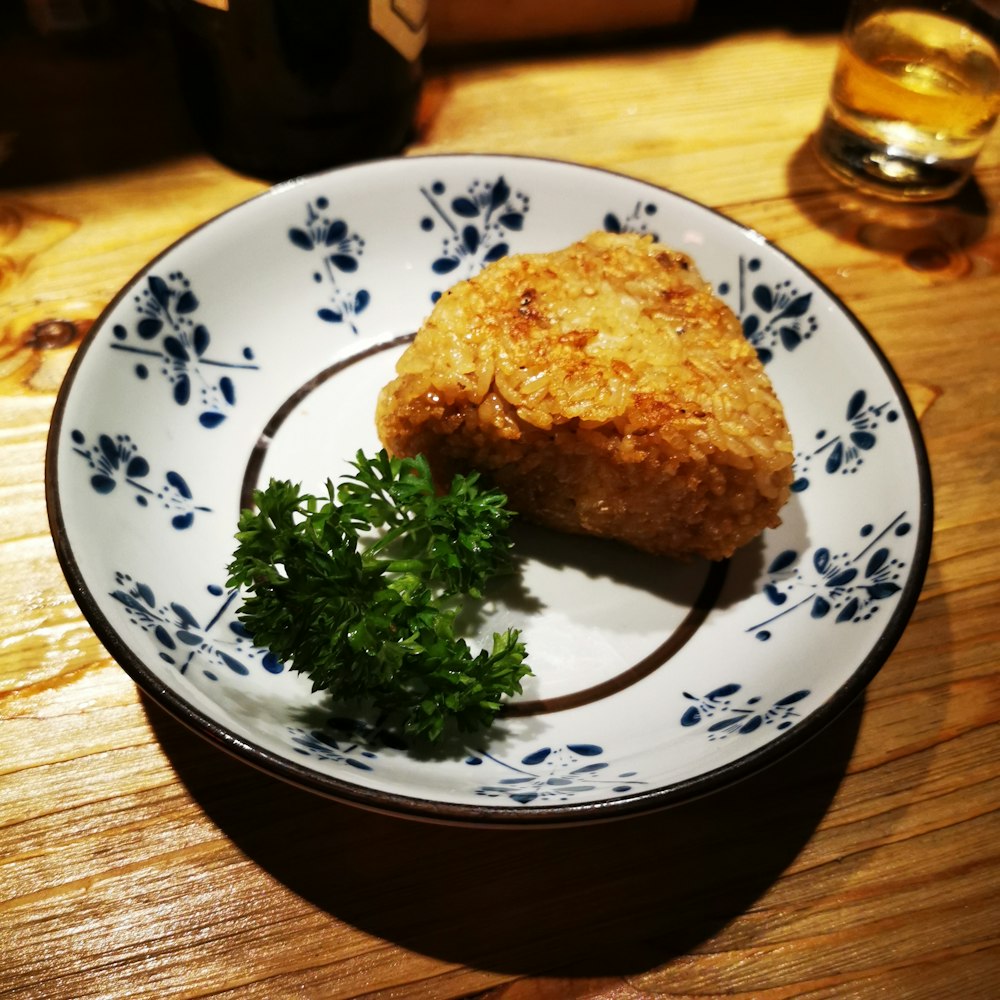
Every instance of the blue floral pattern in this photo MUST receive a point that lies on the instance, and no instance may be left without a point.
(773, 314)
(181, 636)
(636, 221)
(339, 250)
(844, 452)
(346, 741)
(728, 717)
(165, 329)
(851, 586)
(477, 222)
(553, 774)
(115, 461)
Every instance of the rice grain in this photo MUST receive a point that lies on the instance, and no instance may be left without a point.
(607, 390)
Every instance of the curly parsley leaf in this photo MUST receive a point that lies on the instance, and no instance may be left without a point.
(360, 590)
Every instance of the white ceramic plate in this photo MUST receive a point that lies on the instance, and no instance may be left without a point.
(256, 346)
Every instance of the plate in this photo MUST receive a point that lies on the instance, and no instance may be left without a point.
(255, 347)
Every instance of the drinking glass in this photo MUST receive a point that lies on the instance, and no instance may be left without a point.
(914, 95)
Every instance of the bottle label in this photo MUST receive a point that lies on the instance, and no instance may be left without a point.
(402, 23)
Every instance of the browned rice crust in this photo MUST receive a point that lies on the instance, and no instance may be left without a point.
(606, 390)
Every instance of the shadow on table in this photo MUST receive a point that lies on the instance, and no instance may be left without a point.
(931, 236)
(607, 899)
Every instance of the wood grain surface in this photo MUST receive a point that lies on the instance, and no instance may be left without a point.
(136, 861)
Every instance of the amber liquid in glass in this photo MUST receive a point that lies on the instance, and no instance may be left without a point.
(914, 96)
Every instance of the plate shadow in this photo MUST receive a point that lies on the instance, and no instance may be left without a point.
(608, 899)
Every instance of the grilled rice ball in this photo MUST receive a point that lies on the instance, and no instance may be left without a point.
(606, 390)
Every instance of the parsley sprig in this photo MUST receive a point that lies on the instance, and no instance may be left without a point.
(360, 591)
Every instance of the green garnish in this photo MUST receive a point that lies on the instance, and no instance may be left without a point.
(373, 618)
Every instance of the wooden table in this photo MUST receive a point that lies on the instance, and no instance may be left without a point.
(137, 861)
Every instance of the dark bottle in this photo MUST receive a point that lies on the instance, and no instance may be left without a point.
(280, 88)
